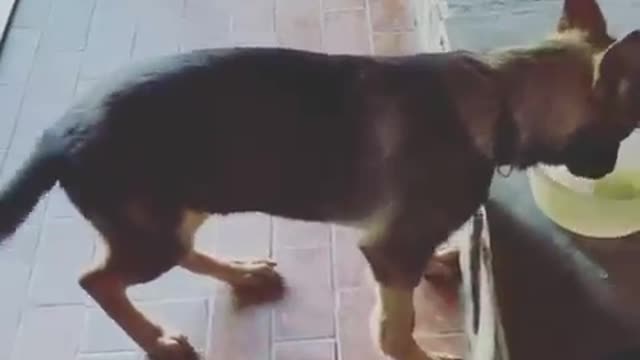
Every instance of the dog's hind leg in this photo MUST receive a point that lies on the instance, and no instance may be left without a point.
(443, 265)
(107, 284)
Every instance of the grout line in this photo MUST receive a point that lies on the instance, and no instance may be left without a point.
(24, 88)
(211, 312)
(303, 247)
(275, 15)
(309, 339)
(139, 9)
(92, 15)
(336, 294)
(109, 352)
(272, 311)
(134, 41)
(273, 233)
(49, 305)
(369, 26)
(232, 16)
(84, 335)
(23, 27)
(333, 263)
(25, 306)
(230, 33)
(183, 9)
(322, 15)
(163, 301)
(20, 325)
(344, 9)
(394, 32)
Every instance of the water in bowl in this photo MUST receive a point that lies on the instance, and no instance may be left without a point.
(620, 185)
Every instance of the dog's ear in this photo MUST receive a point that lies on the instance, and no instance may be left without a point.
(584, 15)
(618, 80)
(622, 58)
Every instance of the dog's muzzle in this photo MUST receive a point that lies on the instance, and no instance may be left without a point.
(590, 160)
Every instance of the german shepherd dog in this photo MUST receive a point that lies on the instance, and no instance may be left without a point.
(404, 147)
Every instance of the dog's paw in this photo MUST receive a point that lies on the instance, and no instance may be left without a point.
(391, 341)
(443, 267)
(173, 347)
(255, 273)
(444, 356)
(418, 354)
(256, 281)
(414, 352)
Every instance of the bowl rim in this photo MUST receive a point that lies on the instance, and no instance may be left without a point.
(539, 171)
(612, 230)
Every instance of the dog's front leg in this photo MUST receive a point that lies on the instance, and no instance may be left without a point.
(397, 267)
(398, 253)
(392, 323)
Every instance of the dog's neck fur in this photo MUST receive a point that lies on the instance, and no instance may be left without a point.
(542, 89)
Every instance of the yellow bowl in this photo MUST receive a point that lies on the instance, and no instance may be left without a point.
(605, 208)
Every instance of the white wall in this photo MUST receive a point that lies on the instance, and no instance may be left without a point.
(430, 19)
(484, 24)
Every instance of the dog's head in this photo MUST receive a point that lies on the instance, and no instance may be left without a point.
(592, 149)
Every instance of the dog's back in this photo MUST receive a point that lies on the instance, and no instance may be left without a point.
(293, 133)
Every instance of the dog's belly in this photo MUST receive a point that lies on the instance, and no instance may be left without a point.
(328, 198)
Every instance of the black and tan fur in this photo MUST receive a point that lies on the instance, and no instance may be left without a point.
(404, 147)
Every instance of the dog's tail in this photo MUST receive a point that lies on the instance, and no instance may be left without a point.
(24, 190)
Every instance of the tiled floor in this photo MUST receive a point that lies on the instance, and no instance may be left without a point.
(57, 49)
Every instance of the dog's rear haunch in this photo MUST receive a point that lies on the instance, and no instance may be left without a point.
(404, 147)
